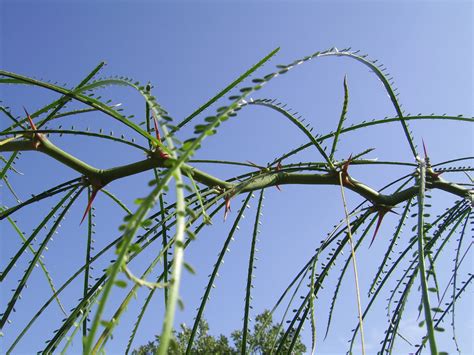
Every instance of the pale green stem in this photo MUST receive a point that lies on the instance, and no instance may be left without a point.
(354, 264)
(421, 260)
(178, 257)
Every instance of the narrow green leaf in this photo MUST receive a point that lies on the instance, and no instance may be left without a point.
(227, 88)
(341, 119)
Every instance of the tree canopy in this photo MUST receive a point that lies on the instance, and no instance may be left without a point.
(262, 339)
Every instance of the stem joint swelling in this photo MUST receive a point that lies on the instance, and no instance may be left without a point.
(93, 180)
(157, 153)
(36, 139)
(345, 178)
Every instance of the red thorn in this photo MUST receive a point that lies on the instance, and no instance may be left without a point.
(155, 122)
(379, 222)
(345, 174)
(33, 127)
(345, 166)
(163, 155)
(89, 204)
(37, 138)
(278, 168)
(424, 148)
(158, 136)
(227, 207)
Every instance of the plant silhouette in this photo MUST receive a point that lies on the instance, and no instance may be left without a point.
(183, 201)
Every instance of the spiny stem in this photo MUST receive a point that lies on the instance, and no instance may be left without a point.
(65, 99)
(227, 89)
(421, 259)
(250, 274)
(88, 257)
(161, 200)
(102, 177)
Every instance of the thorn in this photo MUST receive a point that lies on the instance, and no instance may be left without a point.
(158, 136)
(345, 174)
(163, 155)
(345, 166)
(424, 148)
(227, 207)
(155, 122)
(429, 171)
(255, 165)
(33, 127)
(89, 204)
(382, 211)
(392, 211)
(278, 168)
(469, 176)
(381, 215)
(37, 138)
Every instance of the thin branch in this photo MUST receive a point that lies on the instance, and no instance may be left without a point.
(354, 264)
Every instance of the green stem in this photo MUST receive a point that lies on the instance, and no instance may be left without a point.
(178, 257)
(65, 99)
(250, 275)
(421, 260)
(53, 151)
(354, 264)
(75, 94)
(178, 254)
(88, 258)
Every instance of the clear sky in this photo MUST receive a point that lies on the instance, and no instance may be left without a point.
(190, 50)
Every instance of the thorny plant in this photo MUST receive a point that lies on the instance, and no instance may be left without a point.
(199, 196)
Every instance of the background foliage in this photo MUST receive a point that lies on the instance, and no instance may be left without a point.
(261, 339)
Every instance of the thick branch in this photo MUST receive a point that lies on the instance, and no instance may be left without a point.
(45, 146)
(100, 178)
(152, 162)
(282, 178)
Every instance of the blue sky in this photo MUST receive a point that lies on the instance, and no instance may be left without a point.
(191, 50)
